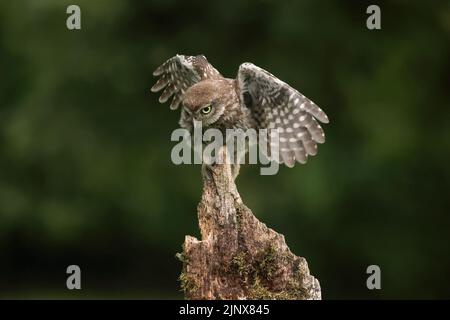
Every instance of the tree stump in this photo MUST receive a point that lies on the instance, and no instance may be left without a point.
(239, 257)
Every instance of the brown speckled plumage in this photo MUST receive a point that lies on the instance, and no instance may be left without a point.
(255, 99)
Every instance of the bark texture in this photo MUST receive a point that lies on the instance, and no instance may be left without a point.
(239, 257)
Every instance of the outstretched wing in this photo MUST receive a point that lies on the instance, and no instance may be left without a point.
(179, 73)
(276, 105)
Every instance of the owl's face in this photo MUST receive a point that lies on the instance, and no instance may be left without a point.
(206, 101)
(208, 113)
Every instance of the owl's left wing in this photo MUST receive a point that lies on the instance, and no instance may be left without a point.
(276, 105)
(179, 73)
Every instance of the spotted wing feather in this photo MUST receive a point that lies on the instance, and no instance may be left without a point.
(276, 105)
(180, 72)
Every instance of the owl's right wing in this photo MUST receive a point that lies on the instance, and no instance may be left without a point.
(179, 73)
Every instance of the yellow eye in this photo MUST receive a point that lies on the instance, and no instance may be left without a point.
(206, 110)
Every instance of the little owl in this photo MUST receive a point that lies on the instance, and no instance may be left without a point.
(255, 99)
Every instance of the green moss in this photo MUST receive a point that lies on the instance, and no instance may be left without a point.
(187, 285)
(181, 256)
(267, 263)
(241, 264)
(257, 273)
(260, 292)
(262, 266)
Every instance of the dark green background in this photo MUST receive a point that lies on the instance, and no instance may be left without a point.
(85, 170)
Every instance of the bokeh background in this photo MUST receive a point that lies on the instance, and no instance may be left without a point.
(85, 170)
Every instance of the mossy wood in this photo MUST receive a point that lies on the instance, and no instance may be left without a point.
(239, 257)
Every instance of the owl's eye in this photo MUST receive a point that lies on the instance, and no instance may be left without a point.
(206, 110)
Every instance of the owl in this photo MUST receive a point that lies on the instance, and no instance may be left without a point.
(255, 99)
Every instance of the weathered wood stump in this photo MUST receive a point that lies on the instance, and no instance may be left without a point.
(239, 257)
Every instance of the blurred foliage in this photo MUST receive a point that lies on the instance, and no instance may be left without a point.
(85, 170)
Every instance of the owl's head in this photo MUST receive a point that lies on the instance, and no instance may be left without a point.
(206, 100)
